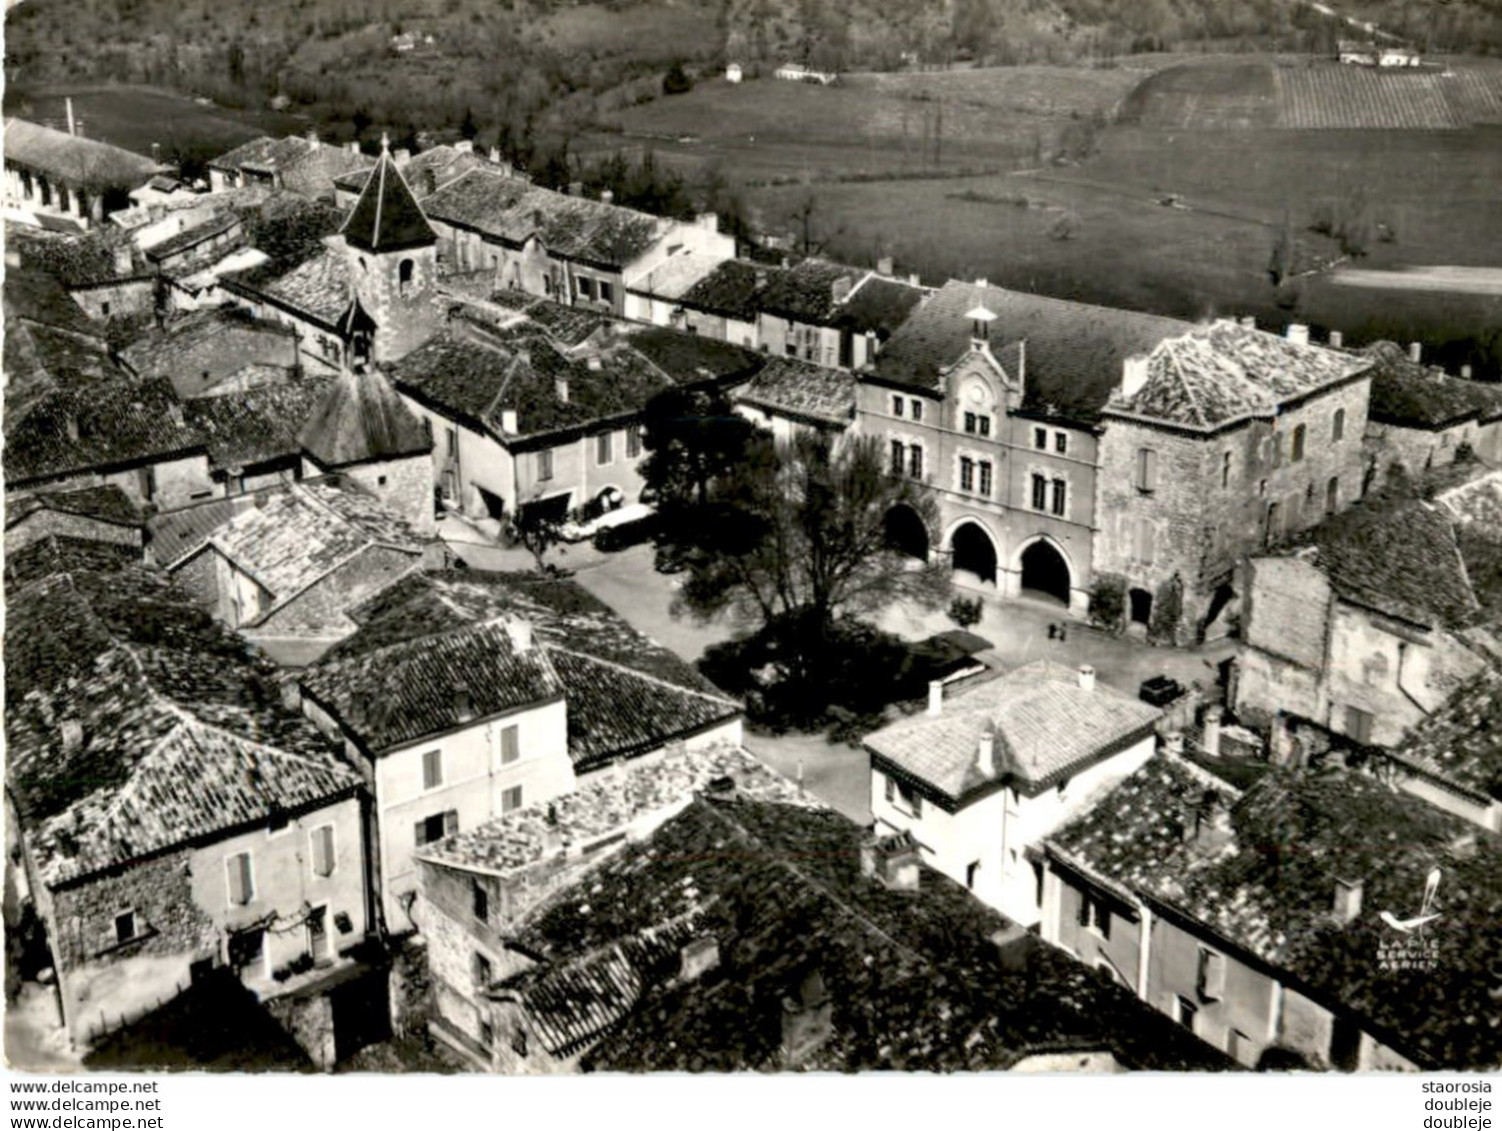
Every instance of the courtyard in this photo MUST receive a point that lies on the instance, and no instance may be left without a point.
(838, 774)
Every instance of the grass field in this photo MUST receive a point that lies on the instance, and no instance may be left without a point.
(872, 124)
(1317, 93)
(134, 117)
(1436, 189)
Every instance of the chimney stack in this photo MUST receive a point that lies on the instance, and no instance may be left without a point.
(1248, 322)
(885, 266)
(464, 146)
(124, 261)
(607, 196)
(1210, 734)
(1337, 339)
(1298, 333)
(156, 152)
(576, 188)
(982, 284)
(495, 154)
(1347, 904)
(698, 957)
(1133, 376)
(71, 733)
(354, 146)
(1415, 352)
(1087, 678)
(292, 695)
(560, 386)
(70, 426)
(508, 421)
(807, 1020)
(892, 861)
(313, 141)
(709, 221)
(402, 156)
(464, 704)
(985, 756)
(520, 632)
(72, 126)
(935, 697)
(1466, 371)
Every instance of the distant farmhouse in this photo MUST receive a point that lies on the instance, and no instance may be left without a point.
(793, 72)
(1368, 53)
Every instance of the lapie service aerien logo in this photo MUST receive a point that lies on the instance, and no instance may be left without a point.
(1411, 948)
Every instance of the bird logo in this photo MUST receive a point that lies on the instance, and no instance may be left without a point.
(1426, 913)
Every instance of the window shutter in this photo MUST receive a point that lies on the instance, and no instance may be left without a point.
(1082, 912)
(891, 790)
(419, 833)
(238, 867)
(432, 769)
(1147, 469)
(451, 822)
(1103, 920)
(510, 744)
(323, 850)
(1212, 975)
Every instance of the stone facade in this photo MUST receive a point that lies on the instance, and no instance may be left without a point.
(404, 487)
(397, 289)
(1350, 669)
(1218, 496)
(995, 518)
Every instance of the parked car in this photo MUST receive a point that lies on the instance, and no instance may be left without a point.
(629, 526)
(582, 530)
(1160, 690)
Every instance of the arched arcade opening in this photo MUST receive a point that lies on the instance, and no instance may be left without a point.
(905, 532)
(1045, 573)
(973, 552)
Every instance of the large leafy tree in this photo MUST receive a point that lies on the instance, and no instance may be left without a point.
(693, 437)
(794, 539)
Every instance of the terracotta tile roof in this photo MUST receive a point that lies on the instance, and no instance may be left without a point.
(806, 292)
(880, 305)
(76, 159)
(387, 216)
(306, 530)
(1412, 395)
(259, 153)
(180, 731)
(816, 393)
(209, 341)
(117, 422)
(915, 980)
(319, 286)
(477, 375)
(1218, 374)
(1073, 356)
(1270, 889)
(1462, 741)
(444, 161)
(107, 504)
(690, 358)
(574, 227)
(190, 238)
(632, 796)
(1476, 500)
(406, 691)
(76, 260)
(733, 289)
(316, 171)
(291, 231)
(177, 535)
(626, 694)
(257, 426)
(360, 418)
(1046, 727)
(1397, 555)
(59, 553)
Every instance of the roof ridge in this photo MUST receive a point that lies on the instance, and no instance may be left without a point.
(640, 674)
(1184, 383)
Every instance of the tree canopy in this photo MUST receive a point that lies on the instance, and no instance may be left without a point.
(793, 538)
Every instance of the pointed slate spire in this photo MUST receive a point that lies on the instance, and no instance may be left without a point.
(387, 216)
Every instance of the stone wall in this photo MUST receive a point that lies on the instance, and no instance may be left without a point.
(1220, 496)
(404, 486)
(105, 983)
(319, 610)
(47, 522)
(309, 1020)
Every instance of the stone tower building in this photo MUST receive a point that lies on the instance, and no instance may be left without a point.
(393, 263)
